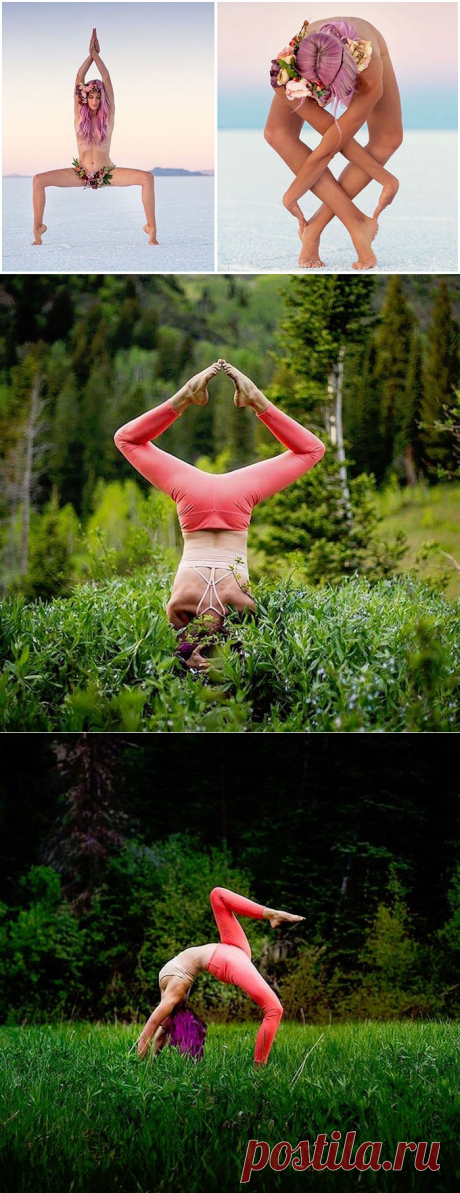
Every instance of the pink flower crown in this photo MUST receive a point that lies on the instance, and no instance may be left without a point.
(284, 73)
(82, 91)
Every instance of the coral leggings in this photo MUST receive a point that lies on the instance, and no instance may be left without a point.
(206, 501)
(231, 963)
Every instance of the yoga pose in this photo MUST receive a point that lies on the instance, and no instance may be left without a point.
(214, 511)
(230, 962)
(94, 107)
(345, 60)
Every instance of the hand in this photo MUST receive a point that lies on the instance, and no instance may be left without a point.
(142, 1047)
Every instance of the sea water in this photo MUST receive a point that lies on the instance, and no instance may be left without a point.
(418, 233)
(101, 231)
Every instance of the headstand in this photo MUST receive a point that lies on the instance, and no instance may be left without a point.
(94, 108)
(345, 60)
(214, 511)
(230, 962)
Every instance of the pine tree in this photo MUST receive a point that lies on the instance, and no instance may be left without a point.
(440, 382)
(393, 344)
(89, 829)
(408, 439)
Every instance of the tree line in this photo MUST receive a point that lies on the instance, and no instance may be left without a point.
(127, 836)
(373, 364)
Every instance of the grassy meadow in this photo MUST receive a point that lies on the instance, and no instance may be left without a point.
(425, 514)
(355, 656)
(81, 1114)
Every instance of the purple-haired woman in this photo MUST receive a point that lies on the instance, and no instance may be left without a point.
(94, 107)
(230, 962)
(344, 61)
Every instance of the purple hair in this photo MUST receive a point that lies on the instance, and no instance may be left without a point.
(324, 56)
(94, 131)
(186, 1031)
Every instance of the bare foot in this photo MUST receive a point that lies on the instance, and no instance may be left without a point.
(246, 393)
(279, 917)
(151, 233)
(196, 389)
(309, 256)
(387, 196)
(363, 235)
(38, 233)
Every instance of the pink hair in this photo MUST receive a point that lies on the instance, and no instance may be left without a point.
(94, 131)
(324, 56)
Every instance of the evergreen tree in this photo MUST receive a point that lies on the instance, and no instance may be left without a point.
(441, 381)
(408, 439)
(362, 420)
(393, 344)
(90, 827)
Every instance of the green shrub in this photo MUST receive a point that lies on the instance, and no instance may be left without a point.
(354, 656)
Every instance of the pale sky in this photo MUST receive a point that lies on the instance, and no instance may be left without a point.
(421, 38)
(160, 58)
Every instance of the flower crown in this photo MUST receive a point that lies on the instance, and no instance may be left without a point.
(284, 71)
(82, 91)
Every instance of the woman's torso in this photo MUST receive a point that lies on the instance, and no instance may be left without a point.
(93, 157)
(187, 965)
(189, 586)
(364, 29)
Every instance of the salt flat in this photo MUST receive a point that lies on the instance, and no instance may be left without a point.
(418, 233)
(101, 231)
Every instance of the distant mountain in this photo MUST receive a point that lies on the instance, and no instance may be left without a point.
(170, 171)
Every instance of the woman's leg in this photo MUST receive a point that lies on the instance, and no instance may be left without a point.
(143, 178)
(282, 131)
(254, 483)
(233, 966)
(385, 136)
(181, 481)
(224, 904)
(65, 177)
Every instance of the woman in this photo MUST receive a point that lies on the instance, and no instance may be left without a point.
(230, 962)
(344, 61)
(94, 109)
(214, 511)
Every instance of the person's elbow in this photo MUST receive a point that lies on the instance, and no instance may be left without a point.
(120, 439)
(319, 450)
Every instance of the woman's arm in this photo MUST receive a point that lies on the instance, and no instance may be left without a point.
(105, 78)
(82, 70)
(158, 1016)
(334, 140)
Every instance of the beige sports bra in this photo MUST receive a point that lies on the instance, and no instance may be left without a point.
(184, 966)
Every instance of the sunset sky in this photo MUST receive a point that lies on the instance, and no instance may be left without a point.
(421, 38)
(164, 102)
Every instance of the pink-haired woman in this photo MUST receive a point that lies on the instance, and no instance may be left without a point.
(230, 962)
(344, 61)
(94, 106)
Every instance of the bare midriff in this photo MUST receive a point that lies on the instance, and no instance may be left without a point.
(188, 586)
(195, 960)
(94, 157)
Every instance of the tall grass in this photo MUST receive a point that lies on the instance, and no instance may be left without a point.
(352, 657)
(80, 1114)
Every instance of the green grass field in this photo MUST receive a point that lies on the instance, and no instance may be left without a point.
(426, 514)
(82, 1115)
(355, 657)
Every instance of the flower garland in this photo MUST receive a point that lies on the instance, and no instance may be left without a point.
(102, 177)
(82, 91)
(284, 72)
